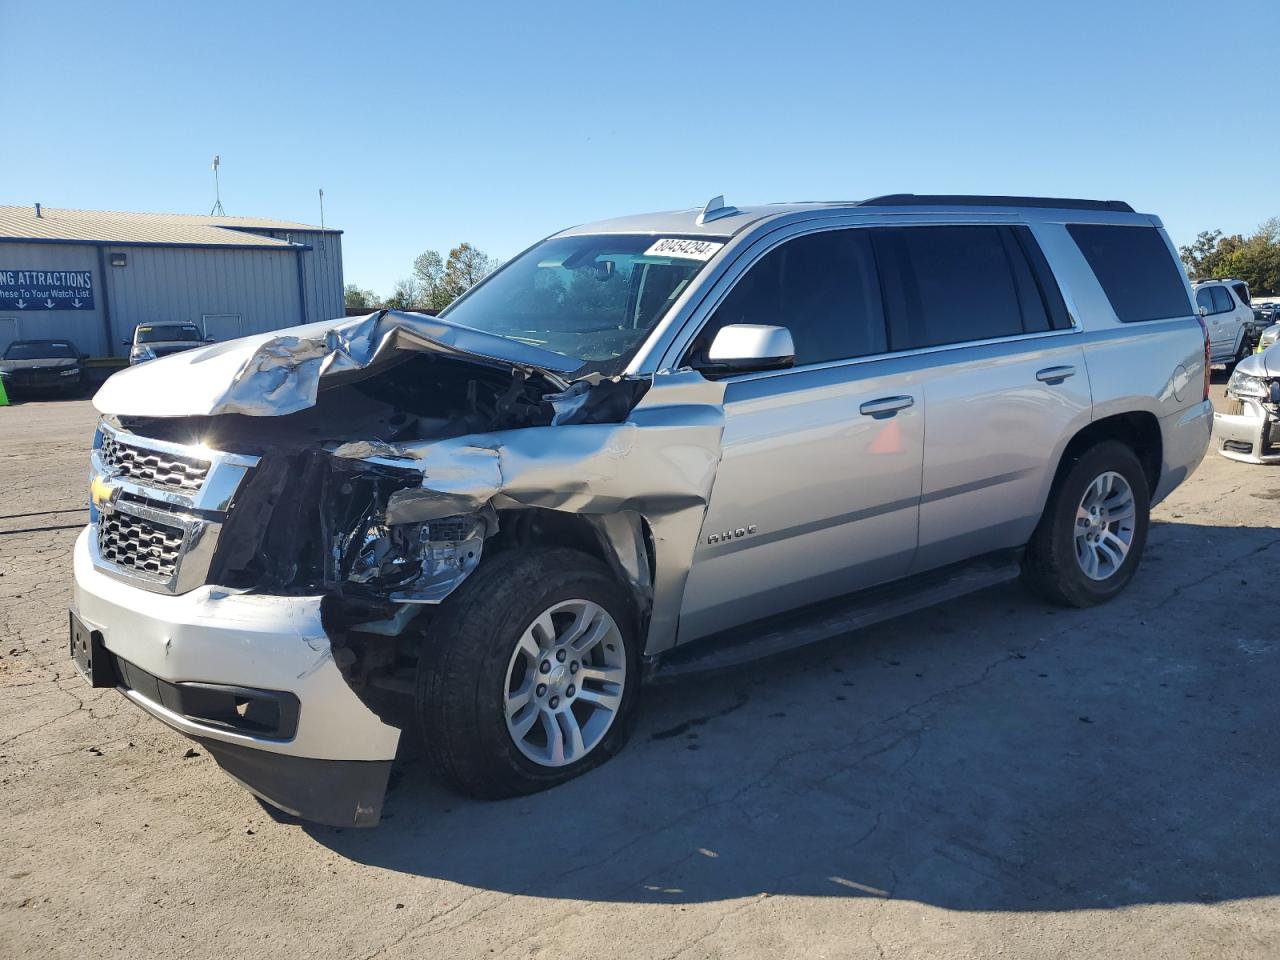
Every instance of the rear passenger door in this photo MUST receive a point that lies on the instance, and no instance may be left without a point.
(1003, 376)
(817, 490)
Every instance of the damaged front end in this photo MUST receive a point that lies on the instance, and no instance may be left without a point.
(390, 455)
(1248, 429)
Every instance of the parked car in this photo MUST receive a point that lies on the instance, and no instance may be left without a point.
(41, 366)
(152, 340)
(1249, 428)
(647, 446)
(1265, 313)
(1224, 303)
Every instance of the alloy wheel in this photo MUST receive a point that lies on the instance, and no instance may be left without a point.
(1105, 524)
(564, 682)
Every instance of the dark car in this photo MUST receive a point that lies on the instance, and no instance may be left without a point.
(30, 366)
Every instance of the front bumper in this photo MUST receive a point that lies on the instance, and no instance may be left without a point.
(41, 381)
(1250, 433)
(333, 766)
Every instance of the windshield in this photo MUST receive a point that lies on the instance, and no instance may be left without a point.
(185, 332)
(41, 350)
(594, 298)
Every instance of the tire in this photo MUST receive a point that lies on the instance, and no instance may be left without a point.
(1054, 564)
(467, 670)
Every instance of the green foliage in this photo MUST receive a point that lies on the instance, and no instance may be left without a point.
(465, 267)
(1254, 259)
(437, 281)
(357, 298)
(428, 271)
(406, 295)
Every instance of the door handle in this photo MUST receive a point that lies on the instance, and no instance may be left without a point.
(1055, 374)
(885, 406)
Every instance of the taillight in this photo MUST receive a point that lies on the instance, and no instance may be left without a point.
(1205, 330)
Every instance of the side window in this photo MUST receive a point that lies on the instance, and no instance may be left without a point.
(823, 287)
(959, 285)
(1222, 302)
(1136, 270)
(1204, 298)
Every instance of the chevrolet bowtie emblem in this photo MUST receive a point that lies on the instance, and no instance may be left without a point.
(101, 492)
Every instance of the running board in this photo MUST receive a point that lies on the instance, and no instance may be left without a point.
(822, 621)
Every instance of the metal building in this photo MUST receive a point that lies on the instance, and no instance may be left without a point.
(92, 276)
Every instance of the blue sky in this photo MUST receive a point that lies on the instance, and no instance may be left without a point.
(427, 124)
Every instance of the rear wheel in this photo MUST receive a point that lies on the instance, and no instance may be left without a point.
(529, 675)
(1091, 536)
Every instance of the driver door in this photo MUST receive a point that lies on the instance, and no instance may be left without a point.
(818, 489)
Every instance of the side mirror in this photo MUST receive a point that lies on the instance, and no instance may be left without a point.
(748, 347)
(1202, 310)
(210, 340)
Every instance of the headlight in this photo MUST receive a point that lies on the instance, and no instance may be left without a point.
(69, 373)
(141, 353)
(1269, 336)
(1243, 385)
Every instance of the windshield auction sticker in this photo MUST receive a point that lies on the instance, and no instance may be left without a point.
(684, 249)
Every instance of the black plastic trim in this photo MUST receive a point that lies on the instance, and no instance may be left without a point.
(270, 714)
(336, 793)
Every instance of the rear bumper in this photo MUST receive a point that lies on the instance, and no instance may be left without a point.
(332, 762)
(1250, 436)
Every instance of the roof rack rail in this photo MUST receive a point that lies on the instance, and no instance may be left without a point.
(962, 200)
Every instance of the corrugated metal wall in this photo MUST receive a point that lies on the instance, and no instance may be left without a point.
(323, 270)
(156, 284)
(249, 291)
(83, 327)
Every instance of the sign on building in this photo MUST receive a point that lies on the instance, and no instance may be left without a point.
(36, 290)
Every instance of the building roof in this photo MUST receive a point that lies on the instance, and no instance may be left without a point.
(58, 225)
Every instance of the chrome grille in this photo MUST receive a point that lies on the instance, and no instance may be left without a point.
(151, 467)
(139, 544)
(158, 508)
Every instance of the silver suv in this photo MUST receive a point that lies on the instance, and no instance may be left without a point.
(652, 445)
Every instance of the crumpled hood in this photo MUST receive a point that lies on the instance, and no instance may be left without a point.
(1265, 364)
(277, 373)
(45, 362)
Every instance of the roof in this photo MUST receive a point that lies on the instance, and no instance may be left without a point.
(59, 225)
(728, 221)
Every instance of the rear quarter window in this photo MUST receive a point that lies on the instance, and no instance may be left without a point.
(1136, 270)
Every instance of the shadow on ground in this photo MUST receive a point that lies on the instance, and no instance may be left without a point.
(993, 754)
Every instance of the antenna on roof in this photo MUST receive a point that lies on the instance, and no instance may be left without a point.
(217, 210)
(714, 210)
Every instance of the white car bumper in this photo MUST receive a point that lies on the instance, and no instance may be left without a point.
(299, 737)
(1250, 434)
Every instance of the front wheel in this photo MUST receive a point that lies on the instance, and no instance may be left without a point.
(1094, 527)
(529, 675)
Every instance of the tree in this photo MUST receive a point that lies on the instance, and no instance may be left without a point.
(405, 295)
(465, 267)
(428, 271)
(359, 299)
(1254, 259)
(1196, 256)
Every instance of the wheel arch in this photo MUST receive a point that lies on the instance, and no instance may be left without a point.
(622, 541)
(1137, 429)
